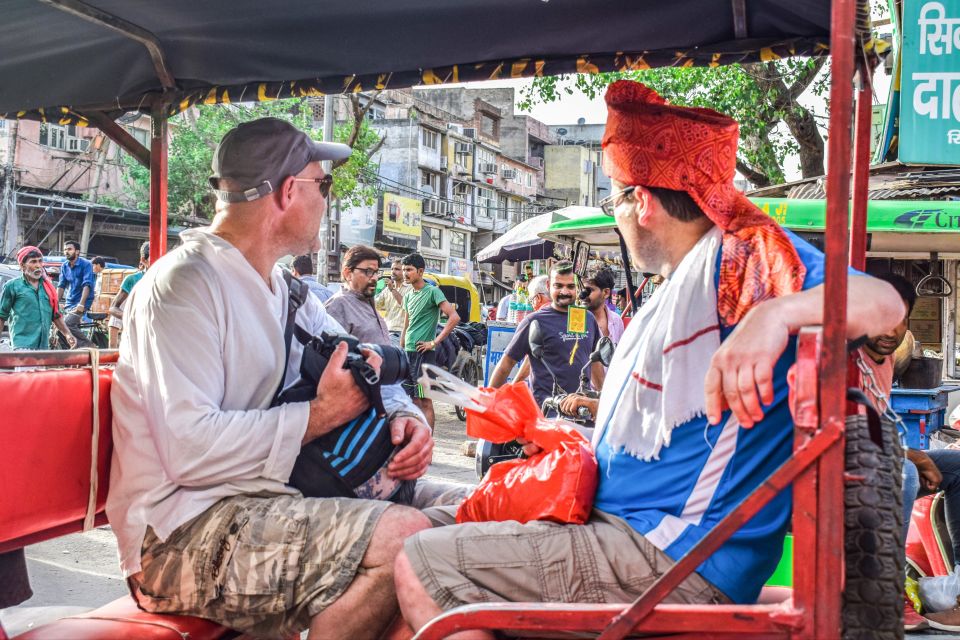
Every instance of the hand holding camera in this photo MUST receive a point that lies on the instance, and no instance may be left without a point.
(339, 399)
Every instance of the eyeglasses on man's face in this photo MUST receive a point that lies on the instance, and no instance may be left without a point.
(325, 183)
(610, 203)
(369, 273)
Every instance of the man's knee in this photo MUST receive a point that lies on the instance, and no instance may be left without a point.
(395, 525)
(404, 575)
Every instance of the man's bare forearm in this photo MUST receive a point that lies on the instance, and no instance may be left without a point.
(452, 322)
(502, 371)
(58, 323)
(83, 296)
(873, 307)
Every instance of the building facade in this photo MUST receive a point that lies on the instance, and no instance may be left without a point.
(65, 183)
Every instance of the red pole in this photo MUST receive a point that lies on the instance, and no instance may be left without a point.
(833, 368)
(861, 170)
(158, 183)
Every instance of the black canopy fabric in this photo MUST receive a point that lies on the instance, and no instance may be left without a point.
(56, 66)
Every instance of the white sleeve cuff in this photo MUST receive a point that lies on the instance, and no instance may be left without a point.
(291, 427)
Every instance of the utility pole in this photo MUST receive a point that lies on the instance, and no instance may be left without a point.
(102, 152)
(8, 199)
(328, 101)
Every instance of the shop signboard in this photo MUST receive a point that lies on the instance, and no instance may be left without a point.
(499, 335)
(459, 267)
(883, 216)
(930, 82)
(401, 216)
(358, 225)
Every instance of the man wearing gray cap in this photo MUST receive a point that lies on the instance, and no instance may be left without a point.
(198, 498)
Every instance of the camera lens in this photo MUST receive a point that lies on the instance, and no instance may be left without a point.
(395, 367)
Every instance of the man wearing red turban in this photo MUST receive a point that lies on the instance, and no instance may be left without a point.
(693, 414)
(29, 303)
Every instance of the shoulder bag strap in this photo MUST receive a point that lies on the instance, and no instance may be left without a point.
(295, 300)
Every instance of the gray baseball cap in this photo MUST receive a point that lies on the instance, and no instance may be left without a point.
(261, 154)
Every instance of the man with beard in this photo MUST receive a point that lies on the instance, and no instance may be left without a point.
(694, 414)
(353, 305)
(596, 291)
(924, 472)
(565, 352)
(78, 278)
(29, 303)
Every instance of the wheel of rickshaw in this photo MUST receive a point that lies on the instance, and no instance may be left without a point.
(873, 521)
(471, 375)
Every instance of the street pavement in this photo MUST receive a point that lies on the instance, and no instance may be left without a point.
(76, 573)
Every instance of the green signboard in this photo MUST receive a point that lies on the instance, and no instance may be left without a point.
(930, 82)
(892, 216)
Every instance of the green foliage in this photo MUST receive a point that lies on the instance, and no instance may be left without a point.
(195, 135)
(749, 94)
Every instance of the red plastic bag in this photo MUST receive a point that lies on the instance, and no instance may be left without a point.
(557, 484)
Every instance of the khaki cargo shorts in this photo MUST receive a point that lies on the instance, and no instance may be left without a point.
(603, 561)
(264, 565)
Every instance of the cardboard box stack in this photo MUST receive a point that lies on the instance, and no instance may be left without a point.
(110, 281)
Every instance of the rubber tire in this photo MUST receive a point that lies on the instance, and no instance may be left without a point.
(472, 377)
(873, 539)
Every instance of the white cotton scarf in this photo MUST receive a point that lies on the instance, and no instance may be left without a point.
(668, 359)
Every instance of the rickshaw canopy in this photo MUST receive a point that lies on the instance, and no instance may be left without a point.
(62, 58)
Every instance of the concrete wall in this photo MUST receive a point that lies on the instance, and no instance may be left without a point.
(565, 175)
(42, 167)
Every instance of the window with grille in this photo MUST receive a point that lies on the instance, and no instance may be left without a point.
(429, 139)
(431, 237)
(458, 244)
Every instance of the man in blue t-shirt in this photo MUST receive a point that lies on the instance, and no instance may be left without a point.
(78, 278)
(693, 415)
(565, 352)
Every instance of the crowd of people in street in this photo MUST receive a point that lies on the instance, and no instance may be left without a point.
(31, 304)
(688, 418)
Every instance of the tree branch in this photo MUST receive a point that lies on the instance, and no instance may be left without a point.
(757, 178)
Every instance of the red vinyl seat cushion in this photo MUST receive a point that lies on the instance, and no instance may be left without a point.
(45, 445)
(122, 619)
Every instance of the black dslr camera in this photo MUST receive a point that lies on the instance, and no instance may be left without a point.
(317, 351)
(351, 460)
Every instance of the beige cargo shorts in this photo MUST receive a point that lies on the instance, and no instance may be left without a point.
(264, 565)
(603, 561)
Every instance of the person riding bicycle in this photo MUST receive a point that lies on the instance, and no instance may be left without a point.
(693, 416)
(78, 278)
(566, 348)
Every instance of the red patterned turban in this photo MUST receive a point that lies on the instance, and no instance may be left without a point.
(650, 143)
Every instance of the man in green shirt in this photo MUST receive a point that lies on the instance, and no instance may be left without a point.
(29, 303)
(422, 306)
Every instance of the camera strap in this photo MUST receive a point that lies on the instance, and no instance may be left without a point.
(298, 295)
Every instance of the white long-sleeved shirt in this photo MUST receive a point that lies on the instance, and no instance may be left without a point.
(200, 361)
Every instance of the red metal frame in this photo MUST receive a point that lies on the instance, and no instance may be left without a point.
(158, 182)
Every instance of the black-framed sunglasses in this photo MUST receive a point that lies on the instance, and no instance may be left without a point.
(610, 203)
(325, 183)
